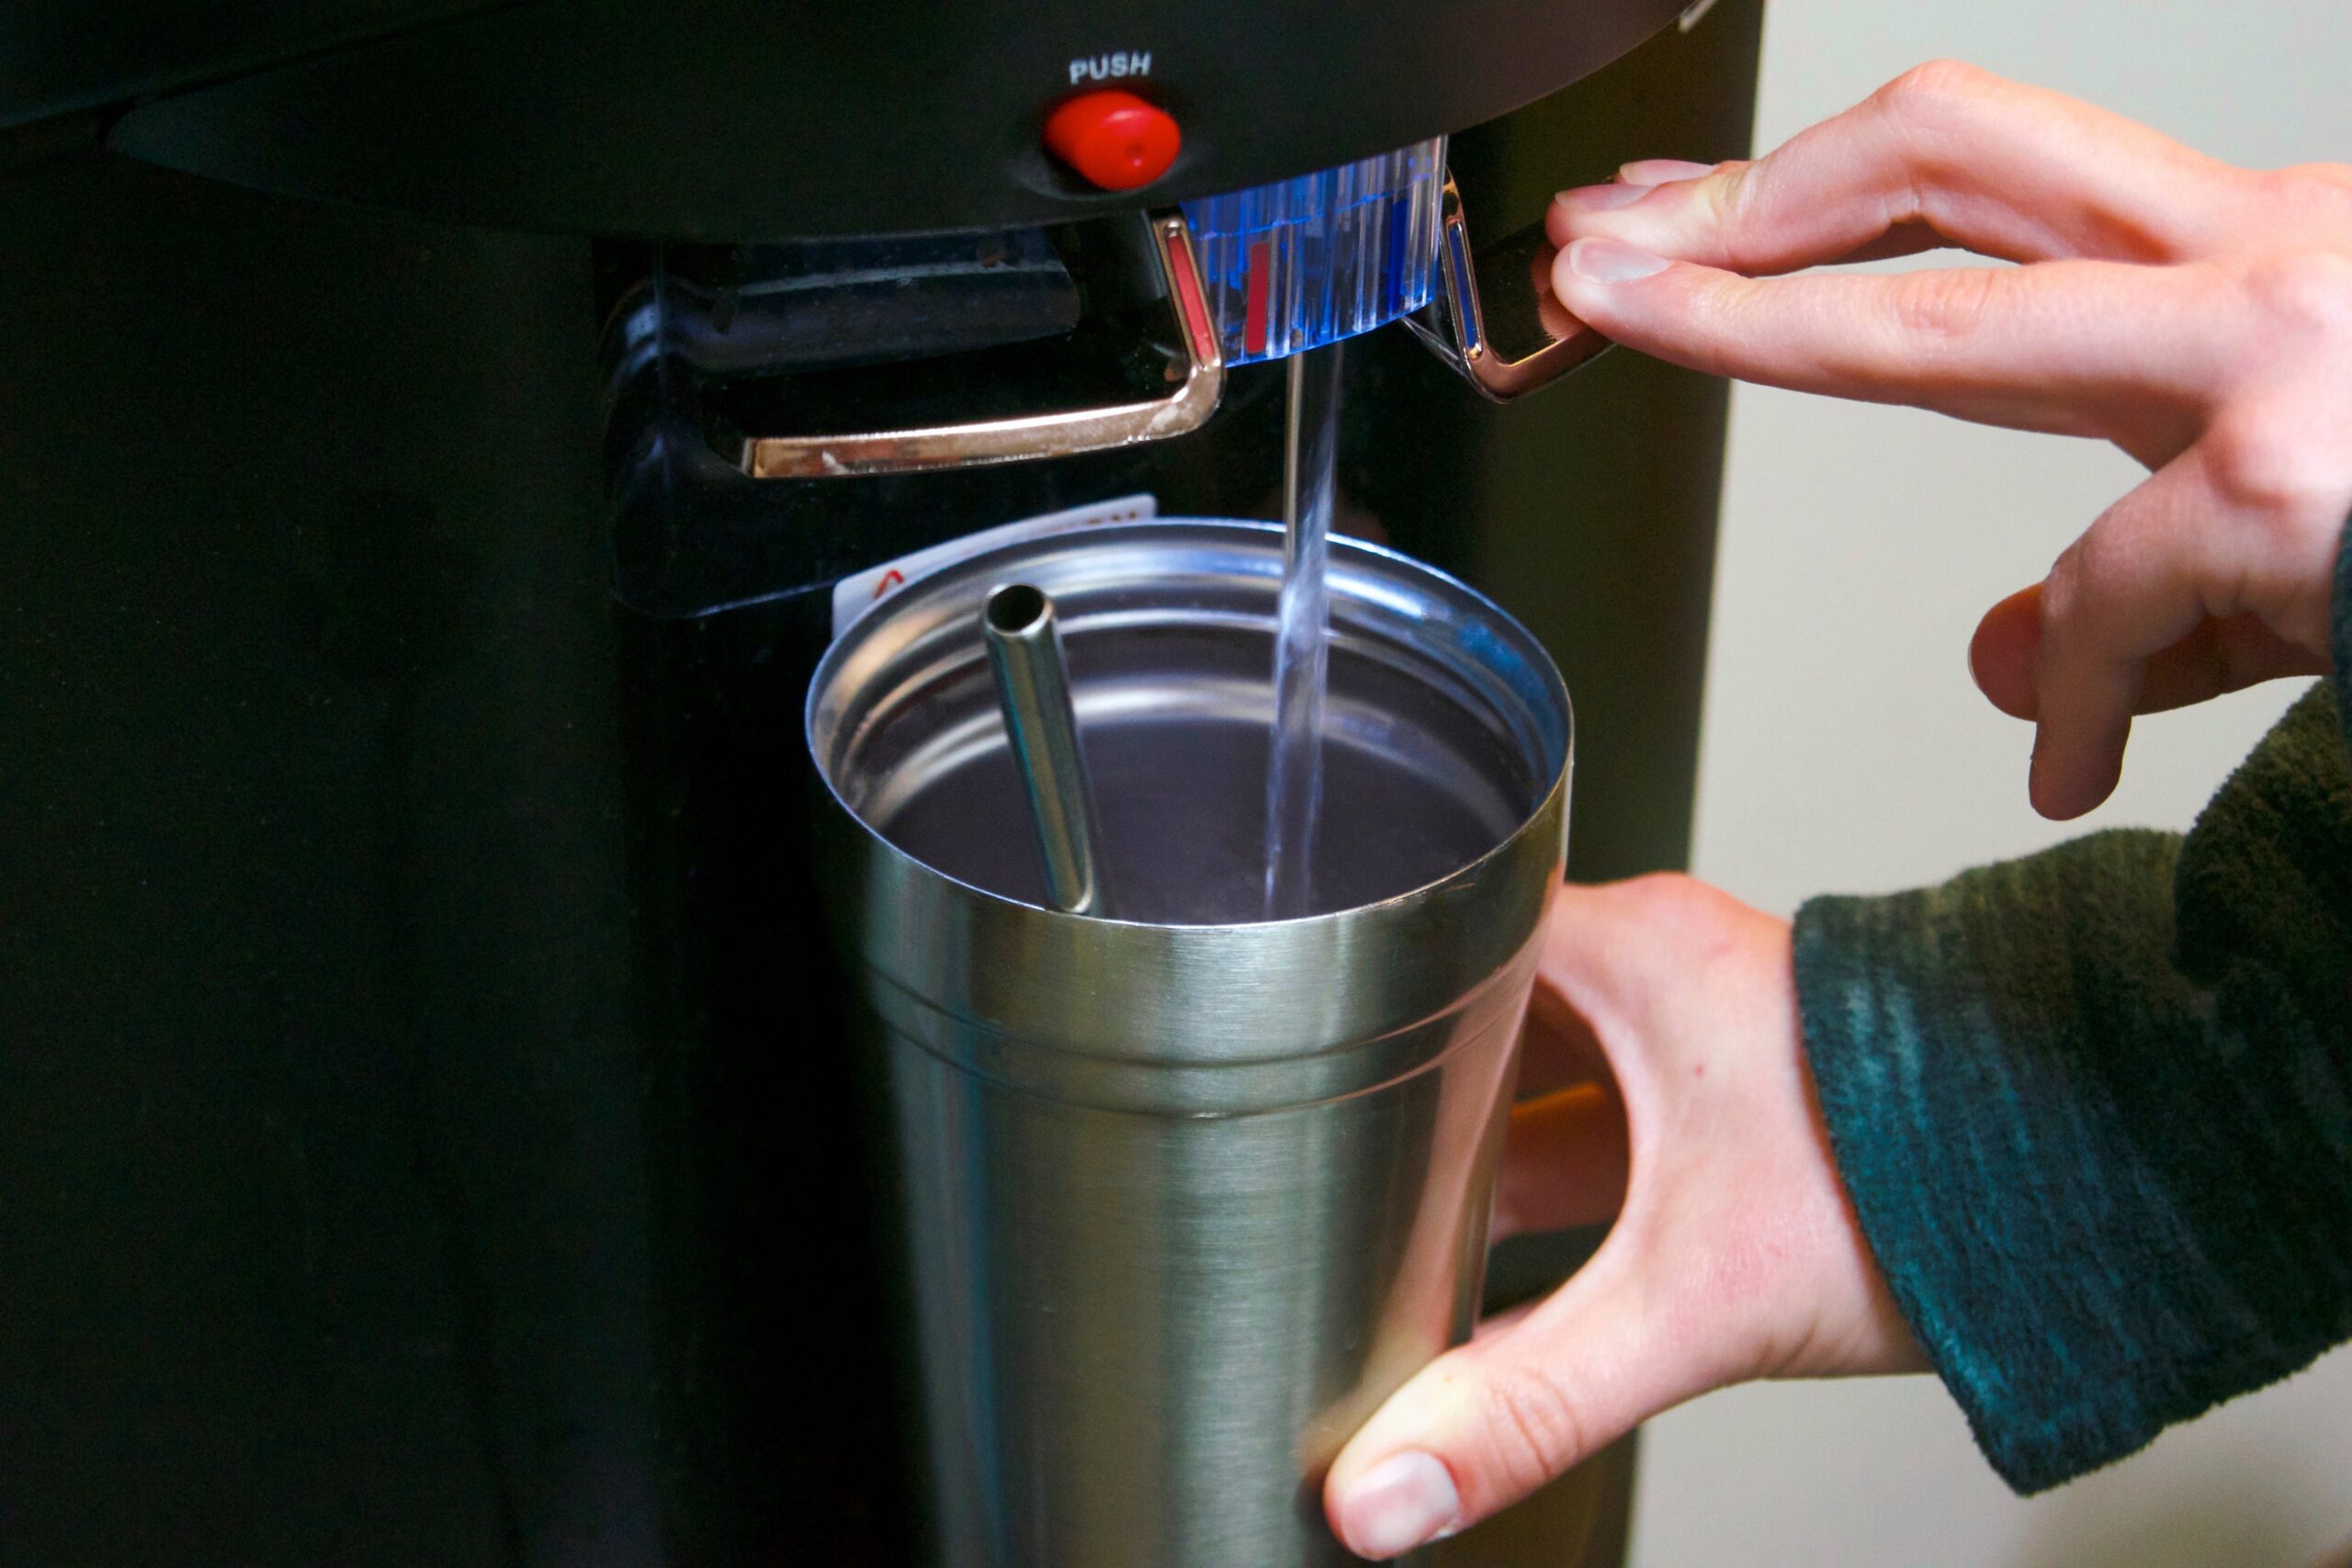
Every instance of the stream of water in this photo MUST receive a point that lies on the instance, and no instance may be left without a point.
(1301, 651)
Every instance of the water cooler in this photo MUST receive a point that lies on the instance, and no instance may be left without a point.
(438, 440)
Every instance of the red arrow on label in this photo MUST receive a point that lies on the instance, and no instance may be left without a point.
(891, 578)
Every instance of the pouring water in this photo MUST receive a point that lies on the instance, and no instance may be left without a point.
(1302, 647)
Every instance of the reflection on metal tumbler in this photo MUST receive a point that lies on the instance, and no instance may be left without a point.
(1183, 1202)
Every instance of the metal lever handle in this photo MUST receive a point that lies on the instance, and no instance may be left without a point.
(1495, 320)
(1052, 434)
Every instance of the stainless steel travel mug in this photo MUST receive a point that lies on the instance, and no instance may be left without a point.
(1186, 1195)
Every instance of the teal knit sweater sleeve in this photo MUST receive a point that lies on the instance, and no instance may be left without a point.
(2094, 1108)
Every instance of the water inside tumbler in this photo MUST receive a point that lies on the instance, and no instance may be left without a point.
(1175, 723)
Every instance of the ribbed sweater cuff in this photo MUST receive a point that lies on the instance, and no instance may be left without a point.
(1989, 1158)
(2094, 1108)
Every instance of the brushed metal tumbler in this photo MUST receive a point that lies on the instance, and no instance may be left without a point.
(1185, 1196)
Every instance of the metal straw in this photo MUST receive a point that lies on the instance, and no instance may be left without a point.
(1032, 687)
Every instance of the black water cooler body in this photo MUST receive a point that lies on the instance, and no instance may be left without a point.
(424, 1137)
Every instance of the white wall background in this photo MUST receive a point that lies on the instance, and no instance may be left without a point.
(1846, 749)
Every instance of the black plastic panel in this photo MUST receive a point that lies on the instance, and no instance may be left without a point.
(745, 118)
(61, 55)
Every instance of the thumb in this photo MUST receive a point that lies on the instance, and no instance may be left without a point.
(1484, 1425)
(1611, 283)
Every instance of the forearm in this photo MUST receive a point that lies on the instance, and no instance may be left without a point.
(2094, 1109)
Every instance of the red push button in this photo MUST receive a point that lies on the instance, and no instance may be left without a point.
(1114, 139)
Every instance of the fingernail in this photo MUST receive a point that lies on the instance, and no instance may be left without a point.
(1601, 198)
(1613, 261)
(1661, 171)
(1401, 1503)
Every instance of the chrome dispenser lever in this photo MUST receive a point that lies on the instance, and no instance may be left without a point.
(1495, 318)
(1198, 383)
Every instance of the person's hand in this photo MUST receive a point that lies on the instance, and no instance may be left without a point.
(2197, 315)
(1667, 1012)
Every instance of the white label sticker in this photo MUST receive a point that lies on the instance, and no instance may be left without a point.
(851, 595)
